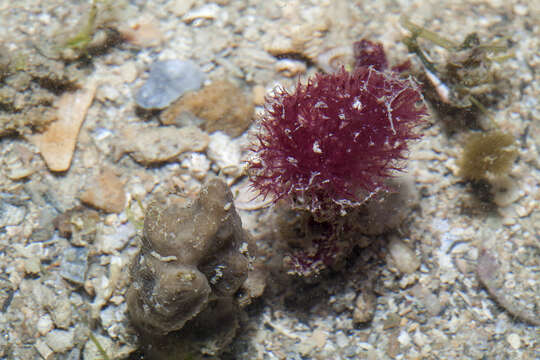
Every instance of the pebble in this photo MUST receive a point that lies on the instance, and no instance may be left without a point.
(514, 341)
(317, 340)
(44, 350)
(74, 264)
(364, 308)
(160, 144)
(32, 266)
(45, 228)
(404, 338)
(60, 340)
(341, 339)
(168, 80)
(225, 153)
(419, 338)
(112, 239)
(11, 214)
(62, 314)
(105, 192)
(197, 164)
(44, 324)
(91, 351)
(112, 318)
(404, 258)
(428, 299)
(179, 7)
(57, 143)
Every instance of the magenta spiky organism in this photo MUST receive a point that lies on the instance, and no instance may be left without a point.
(332, 142)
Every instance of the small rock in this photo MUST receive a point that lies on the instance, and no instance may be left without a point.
(428, 299)
(127, 72)
(222, 106)
(364, 308)
(74, 354)
(391, 321)
(113, 239)
(419, 338)
(168, 80)
(404, 258)
(79, 223)
(43, 350)
(18, 162)
(74, 264)
(32, 266)
(91, 351)
(316, 340)
(225, 153)
(160, 144)
(62, 313)
(45, 227)
(341, 339)
(106, 192)
(404, 338)
(44, 324)
(112, 318)
(197, 164)
(57, 143)
(11, 214)
(60, 340)
(514, 341)
(179, 7)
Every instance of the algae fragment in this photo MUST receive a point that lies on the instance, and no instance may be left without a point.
(486, 154)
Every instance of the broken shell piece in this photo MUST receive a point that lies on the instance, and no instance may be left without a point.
(332, 60)
(290, 68)
(205, 12)
(57, 143)
(246, 198)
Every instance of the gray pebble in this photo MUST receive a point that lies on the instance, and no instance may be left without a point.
(10, 214)
(168, 80)
(60, 340)
(75, 264)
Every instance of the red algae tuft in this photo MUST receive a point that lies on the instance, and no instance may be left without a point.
(332, 142)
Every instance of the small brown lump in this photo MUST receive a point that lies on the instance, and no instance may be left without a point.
(221, 105)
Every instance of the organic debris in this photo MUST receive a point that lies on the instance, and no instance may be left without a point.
(96, 34)
(467, 73)
(29, 85)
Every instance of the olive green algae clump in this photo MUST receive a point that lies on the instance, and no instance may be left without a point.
(188, 277)
(487, 154)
